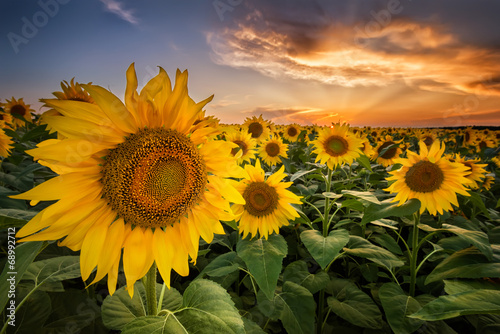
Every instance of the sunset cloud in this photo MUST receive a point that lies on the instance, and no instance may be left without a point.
(116, 7)
(425, 56)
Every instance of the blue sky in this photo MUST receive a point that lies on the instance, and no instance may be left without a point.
(379, 63)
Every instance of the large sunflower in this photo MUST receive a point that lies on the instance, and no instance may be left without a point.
(259, 128)
(430, 178)
(18, 107)
(138, 176)
(5, 144)
(268, 202)
(272, 150)
(246, 144)
(336, 145)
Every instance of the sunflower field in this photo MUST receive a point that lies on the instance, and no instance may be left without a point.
(145, 215)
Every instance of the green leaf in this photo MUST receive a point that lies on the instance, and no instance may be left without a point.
(397, 306)
(353, 305)
(298, 272)
(467, 263)
(458, 286)
(264, 260)
(331, 195)
(385, 210)
(208, 308)
(366, 197)
(386, 241)
(36, 309)
(300, 174)
(363, 248)
(222, 265)
(478, 202)
(251, 327)
(352, 204)
(322, 249)
(168, 324)
(25, 253)
(476, 238)
(119, 309)
(364, 161)
(15, 217)
(298, 310)
(53, 270)
(469, 302)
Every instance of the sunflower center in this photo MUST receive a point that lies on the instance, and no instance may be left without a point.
(292, 132)
(424, 177)
(18, 109)
(467, 137)
(482, 144)
(336, 145)
(390, 153)
(256, 129)
(261, 199)
(428, 140)
(241, 146)
(272, 149)
(1, 117)
(153, 177)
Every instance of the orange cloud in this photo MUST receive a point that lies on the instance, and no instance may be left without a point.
(425, 57)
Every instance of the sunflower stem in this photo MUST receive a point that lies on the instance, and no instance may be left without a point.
(414, 255)
(327, 203)
(151, 290)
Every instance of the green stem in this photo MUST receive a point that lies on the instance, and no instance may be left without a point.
(414, 255)
(151, 290)
(326, 223)
(327, 203)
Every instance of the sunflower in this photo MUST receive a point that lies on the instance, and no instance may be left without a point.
(367, 147)
(476, 171)
(272, 150)
(18, 107)
(430, 178)
(489, 180)
(73, 91)
(336, 145)
(427, 136)
(268, 202)
(496, 160)
(482, 142)
(259, 128)
(469, 136)
(5, 144)
(292, 132)
(137, 176)
(6, 120)
(392, 151)
(246, 144)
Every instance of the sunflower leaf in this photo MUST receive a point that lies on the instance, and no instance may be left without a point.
(397, 306)
(363, 248)
(467, 263)
(298, 310)
(298, 272)
(385, 210)
(353, 305)
(468, 302)
(264, 260)
(119, 309)
(322, 249)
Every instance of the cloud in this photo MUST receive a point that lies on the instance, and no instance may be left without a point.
(422, 55)
(116, 7)
(299, 115)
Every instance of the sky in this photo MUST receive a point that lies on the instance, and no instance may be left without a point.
(403, 63)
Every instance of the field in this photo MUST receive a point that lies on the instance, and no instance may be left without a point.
(324, 229)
